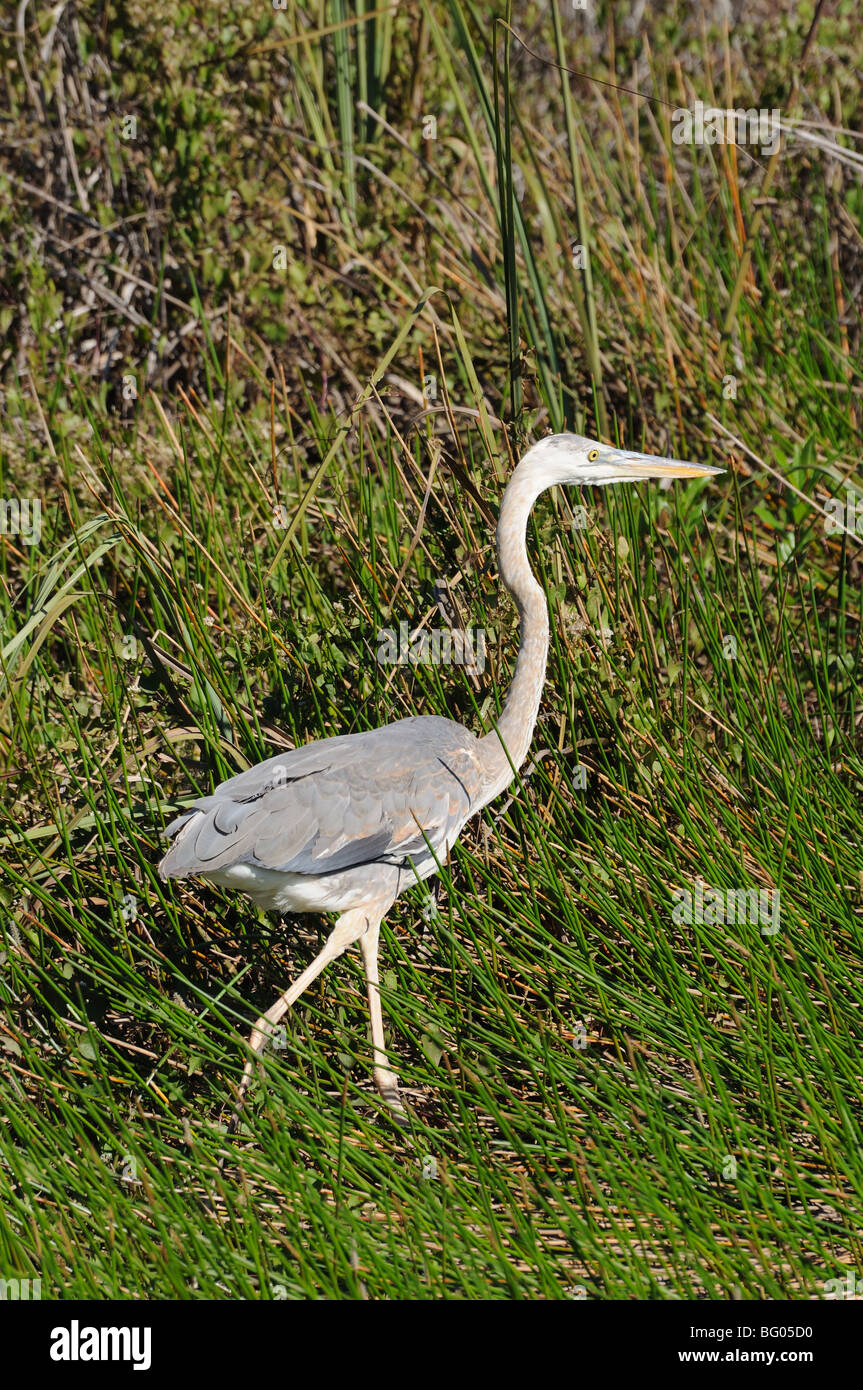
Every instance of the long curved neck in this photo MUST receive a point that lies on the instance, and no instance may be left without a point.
(506, 749)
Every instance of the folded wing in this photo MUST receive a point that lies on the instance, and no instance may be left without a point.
(382, 796)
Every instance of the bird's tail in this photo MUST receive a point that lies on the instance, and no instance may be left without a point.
(176, 863)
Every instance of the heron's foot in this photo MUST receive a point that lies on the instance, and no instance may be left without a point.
(261, 1034)
(388, 1090)
(243, 1089)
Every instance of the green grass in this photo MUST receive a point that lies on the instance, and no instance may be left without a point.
(603, 1100)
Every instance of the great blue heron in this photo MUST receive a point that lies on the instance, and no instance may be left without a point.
(344, 825)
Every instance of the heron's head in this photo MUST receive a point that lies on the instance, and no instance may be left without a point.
(575, 460)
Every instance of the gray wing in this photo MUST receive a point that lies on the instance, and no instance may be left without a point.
(360, 798)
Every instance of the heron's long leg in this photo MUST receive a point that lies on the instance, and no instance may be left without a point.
(385, 1078)
(348, 928)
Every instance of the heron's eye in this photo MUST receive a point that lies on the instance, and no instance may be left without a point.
(593, 455)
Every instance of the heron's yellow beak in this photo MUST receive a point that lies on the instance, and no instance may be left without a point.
(651, 466)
